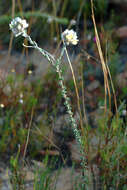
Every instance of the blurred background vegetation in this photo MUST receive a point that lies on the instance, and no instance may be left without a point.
(30, 98)
(21, 93)
(44, 16)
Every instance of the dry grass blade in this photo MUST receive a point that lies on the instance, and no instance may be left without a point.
(104, 67)
(77, 93)
(28, 134)
(11, 38)
(113, 89)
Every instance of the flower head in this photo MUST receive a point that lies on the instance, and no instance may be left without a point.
(70, 37)
(30, 72)
(50, 19)
(73, 22)
(18, 26)
(2, 105)
(21, 101)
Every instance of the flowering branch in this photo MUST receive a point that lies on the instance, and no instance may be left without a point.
(18, 27)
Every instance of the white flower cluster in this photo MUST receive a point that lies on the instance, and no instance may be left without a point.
(18, 26)
(70, 37)
(21, 98)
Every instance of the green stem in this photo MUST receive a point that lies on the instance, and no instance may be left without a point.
(56, 64)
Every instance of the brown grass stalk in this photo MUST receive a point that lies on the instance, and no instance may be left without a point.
(77, 93)
(105, 67)
(12, 36)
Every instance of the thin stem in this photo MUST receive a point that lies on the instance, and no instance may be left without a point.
(76, 90)
(28, 134)
(69, 111)
(56, 65)
(12, 36)
(83, 100)
(104, 68)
